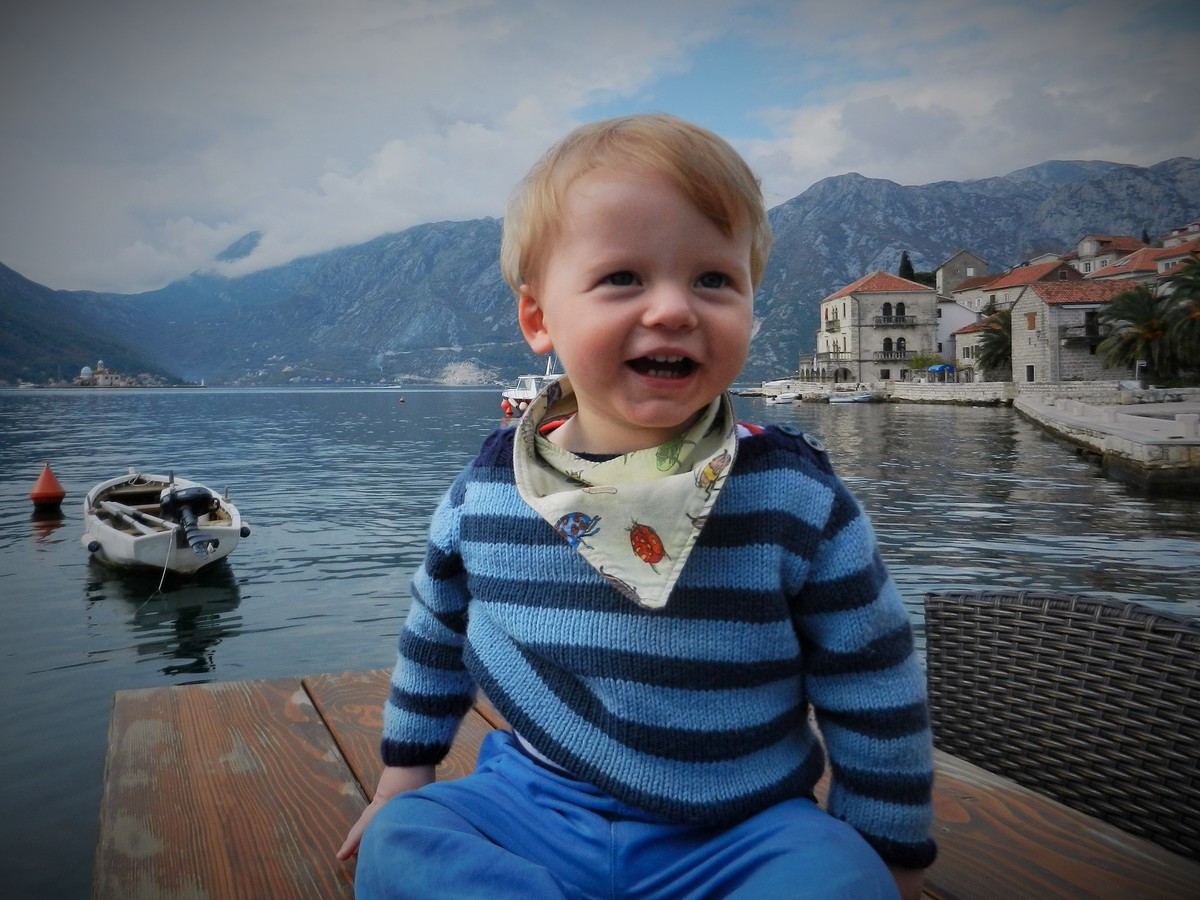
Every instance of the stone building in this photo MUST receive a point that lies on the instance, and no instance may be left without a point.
(1095, 251)
(962, 266)
(1001, 291)
(870, 330)
(1056, 329)
(967, 341)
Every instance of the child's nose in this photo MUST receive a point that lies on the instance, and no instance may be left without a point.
(670, 306)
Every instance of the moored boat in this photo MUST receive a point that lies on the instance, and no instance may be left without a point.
(159, 522)
(786, 397)
(855, 397)
(516, 399)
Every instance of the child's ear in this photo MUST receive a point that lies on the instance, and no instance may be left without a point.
(533, 322)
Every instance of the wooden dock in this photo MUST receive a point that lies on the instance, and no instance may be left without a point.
(246, 790)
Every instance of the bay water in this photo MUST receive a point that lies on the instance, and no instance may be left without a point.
(337, 487)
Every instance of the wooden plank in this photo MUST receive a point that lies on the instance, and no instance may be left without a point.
(231, 790)
(351, 703)
(995, 837)
(247, 789)
(999, 839)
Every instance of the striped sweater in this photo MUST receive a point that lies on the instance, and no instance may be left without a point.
(696, 712)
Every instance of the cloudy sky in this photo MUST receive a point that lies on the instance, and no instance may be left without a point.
(139, 138)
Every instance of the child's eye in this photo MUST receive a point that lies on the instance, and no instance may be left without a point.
(710, 280)
(621, 279)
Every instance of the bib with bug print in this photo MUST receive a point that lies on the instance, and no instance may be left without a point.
(635, 517)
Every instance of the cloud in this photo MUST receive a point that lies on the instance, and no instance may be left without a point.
(147, 135)
(969, 89)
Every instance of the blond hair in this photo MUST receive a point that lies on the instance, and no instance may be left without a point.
(708, 171)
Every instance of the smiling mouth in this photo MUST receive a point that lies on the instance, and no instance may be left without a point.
(663, 366)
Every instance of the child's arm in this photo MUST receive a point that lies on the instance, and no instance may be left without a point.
(394, 780)
(867, 688)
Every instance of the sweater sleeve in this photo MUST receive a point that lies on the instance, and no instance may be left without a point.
(430, 688)
(867, 689)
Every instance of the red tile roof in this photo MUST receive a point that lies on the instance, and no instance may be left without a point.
(879, 283)
(981, 325)
(1143, 260)
(970, 284)
(1121, 242)
(1029, 274)
(1058, 293)
(1146, 260)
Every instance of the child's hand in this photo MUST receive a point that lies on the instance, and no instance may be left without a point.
(394, 780)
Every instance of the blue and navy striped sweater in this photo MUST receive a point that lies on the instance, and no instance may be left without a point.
(696, 712)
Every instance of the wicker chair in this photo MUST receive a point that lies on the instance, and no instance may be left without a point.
(1094, 702)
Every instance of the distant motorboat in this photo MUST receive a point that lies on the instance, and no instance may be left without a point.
(786, 397)
(855, 397)
(516, 399)
(159, 522)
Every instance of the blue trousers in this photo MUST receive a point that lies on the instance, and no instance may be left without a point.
(514, 828)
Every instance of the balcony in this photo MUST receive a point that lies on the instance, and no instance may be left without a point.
(895, 320)
(893, 355)
(833, 325)
(834, 357)
(1083, 334)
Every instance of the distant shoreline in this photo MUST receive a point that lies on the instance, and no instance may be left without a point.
(95, 387)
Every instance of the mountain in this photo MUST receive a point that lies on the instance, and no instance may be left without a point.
(428, 304)
(43, 336)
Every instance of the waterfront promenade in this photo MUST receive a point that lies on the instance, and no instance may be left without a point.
(1146, 437)
(1155, 446)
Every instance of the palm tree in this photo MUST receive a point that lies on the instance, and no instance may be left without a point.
(1139, 320)
(995, 345)
(1183, 315)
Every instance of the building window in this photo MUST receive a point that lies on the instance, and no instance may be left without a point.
(887, 309)
(1062, 274)
(1031, 321)
(1029, 373)
(939, 347)
(899, 309)
(939, 312)
(885, 374)
(901, 343)
(887, 345)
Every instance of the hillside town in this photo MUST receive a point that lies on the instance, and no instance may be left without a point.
(884, 328)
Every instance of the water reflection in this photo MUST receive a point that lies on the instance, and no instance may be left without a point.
(43, 524)
(182, 622)
(977, 498)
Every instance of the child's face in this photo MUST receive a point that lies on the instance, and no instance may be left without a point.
(647, 304)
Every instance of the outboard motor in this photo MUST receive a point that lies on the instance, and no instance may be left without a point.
(184, 505)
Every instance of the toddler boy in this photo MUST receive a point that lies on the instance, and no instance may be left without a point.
(652, 594)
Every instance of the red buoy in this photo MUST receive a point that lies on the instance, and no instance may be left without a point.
(47, 493)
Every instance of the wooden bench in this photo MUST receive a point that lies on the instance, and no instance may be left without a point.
(246, 790)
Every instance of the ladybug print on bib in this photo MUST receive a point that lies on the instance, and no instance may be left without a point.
(646, 544)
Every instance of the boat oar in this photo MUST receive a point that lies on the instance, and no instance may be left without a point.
(139, 520)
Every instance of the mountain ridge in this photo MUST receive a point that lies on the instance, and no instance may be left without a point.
(429, 304)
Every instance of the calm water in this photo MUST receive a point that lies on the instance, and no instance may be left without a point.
(338, 486)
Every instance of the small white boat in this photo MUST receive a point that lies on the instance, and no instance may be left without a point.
(516, 399)
(855, 397)
(785, 397)
(159, 522)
